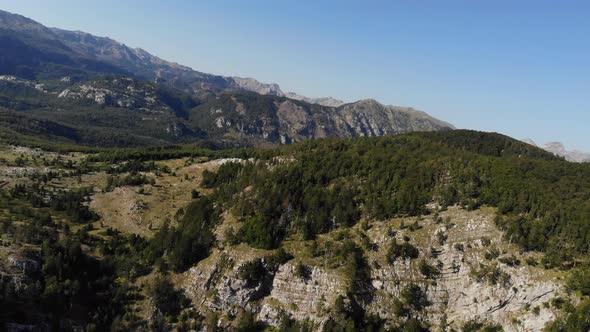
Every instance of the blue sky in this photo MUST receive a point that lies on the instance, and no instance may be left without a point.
(521, 68)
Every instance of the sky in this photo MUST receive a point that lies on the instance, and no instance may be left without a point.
(521, 68)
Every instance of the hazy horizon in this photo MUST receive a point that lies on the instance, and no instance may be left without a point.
(520, 69)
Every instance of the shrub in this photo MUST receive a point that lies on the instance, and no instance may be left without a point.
(167, 299)
(302, 271)
(403, 251)
(413, 296)
(492, 254)
(478, 326)
(510, 260)
(491, 274)
(579, 280)
(253, 272)
(428, 271)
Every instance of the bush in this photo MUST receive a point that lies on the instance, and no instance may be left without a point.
(403, 251)
(429, 271)
(253, 272)
(491, 274)
(579, 280)
(302, 271)
(510, 260)
(478, 326)
(167, 299)
(492, 254)
(413, 296)
(261, 233)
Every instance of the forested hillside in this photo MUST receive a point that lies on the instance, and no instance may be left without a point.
(543, 201)
(344, 215)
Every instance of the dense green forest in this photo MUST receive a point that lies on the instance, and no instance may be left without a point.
(301, 191)
(313, 187)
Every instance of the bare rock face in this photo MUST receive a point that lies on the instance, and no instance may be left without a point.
(366, 118)
(214, 284)
(472, 285)
(302, 298)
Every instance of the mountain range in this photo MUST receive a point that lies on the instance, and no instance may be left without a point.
(81, 84)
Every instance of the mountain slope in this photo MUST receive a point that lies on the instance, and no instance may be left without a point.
(100, 87)
(156, 115)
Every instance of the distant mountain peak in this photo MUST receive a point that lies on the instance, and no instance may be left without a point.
(559, 149)
(369, 101)
(324, 101)
(251, 84)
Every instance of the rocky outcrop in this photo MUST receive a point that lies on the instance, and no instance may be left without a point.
(365, 118)
(214, 284)
(120, 92)
(457, 294)
(24, 264)
(7, 80)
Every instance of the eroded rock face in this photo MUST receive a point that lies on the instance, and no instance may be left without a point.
(513, 295)
(214, 284)
(301, 297)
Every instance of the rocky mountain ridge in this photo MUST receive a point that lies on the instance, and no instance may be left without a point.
(139, 61)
